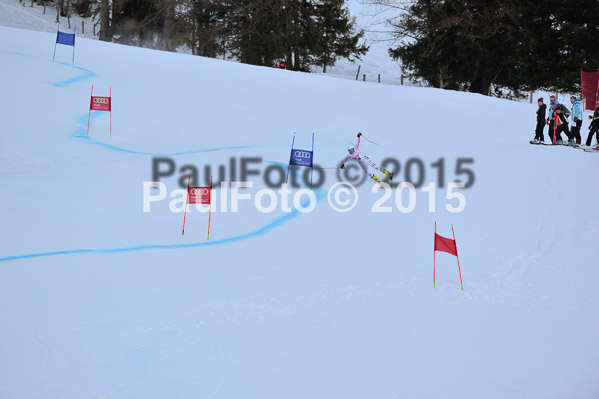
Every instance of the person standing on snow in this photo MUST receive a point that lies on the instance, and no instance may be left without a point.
(559, 115)
(539, 137)
(593, 127)
(551, 132)
(576, 119)
(364, 161)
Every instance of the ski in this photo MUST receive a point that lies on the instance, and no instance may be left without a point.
(563, 144)
(540, 143)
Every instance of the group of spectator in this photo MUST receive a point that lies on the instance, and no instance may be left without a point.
(558, 121)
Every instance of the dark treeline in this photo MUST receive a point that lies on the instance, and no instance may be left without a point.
(302, 32)
(520, 45)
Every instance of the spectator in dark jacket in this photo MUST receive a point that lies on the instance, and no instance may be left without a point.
(539, 137)
(594, 127)
(560, 121)
(551, 131)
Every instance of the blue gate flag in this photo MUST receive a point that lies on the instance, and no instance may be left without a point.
(301, 158)
(67, 39)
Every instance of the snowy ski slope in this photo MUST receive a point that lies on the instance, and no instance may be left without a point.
(99, 299)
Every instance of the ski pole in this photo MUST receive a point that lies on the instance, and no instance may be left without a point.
(367, 139)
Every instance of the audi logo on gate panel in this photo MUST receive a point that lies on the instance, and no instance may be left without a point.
(199, 191)
(101, 100)
(302, 154)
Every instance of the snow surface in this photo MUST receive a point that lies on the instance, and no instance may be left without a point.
(101, 300)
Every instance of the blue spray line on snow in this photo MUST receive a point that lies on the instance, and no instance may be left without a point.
(88, 140)
(320, 194)
(16, 53)
(115, 148)
(85, 75)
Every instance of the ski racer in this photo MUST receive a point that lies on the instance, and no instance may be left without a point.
(364, 161)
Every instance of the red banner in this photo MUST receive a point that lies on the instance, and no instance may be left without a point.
(590, 88)
(99, 104)
(199, 195)
(445, 245)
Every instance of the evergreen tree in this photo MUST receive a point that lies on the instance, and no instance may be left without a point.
(458, 43)
(203, 27)
(258, 32)
(338, 35)
(255, 28)
(559, 40)
(105, 33)
(518, 45)
(303, 32)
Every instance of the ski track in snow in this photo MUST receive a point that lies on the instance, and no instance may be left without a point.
(88, 74)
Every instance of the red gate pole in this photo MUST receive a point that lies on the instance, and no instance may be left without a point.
(582, 91)
(186, 200)
(210, 210)
(554, 127)
(110, 110)
(90, 109)
(457, 256)
(434, 255)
